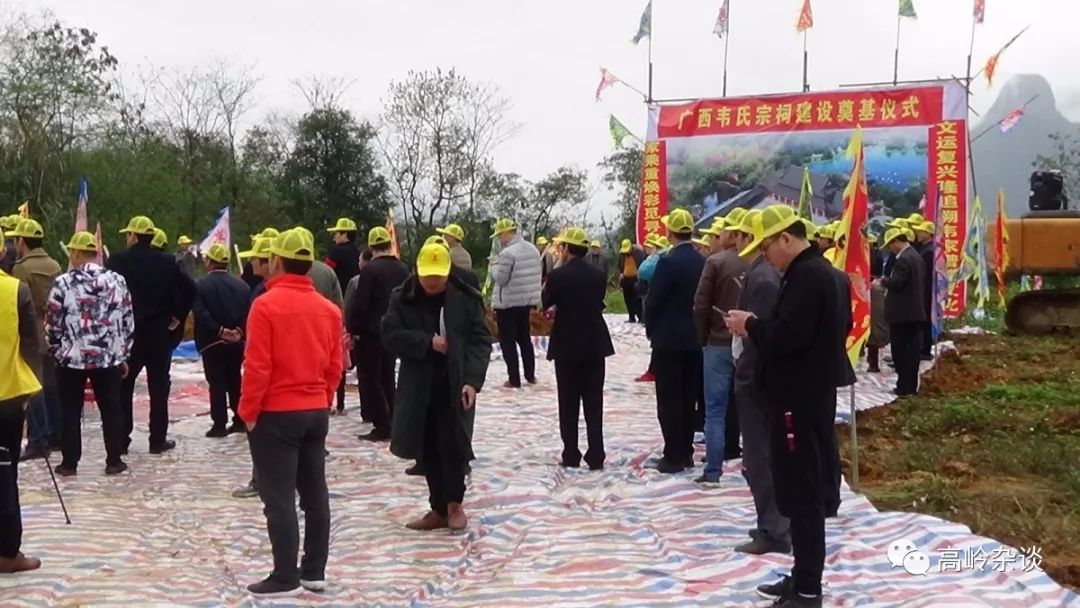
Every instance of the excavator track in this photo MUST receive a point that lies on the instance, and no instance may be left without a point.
(1044, 312)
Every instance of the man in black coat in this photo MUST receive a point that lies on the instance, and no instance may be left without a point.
(161, 296)
(801, 359)
(924, 237)
(343, 256)
(669, 325)
(579, 344)
(375, 366)
(905, 308)
(630, 258)
(221, 308)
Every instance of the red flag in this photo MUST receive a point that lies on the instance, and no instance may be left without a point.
(1001, 251)
(980, 11)
(99, 259)
(992, 63)
(1010, 121)
(806, 18)
(721, 27)
(854, 257)
(606, 80)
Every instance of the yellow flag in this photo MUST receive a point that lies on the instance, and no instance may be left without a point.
(24, 209)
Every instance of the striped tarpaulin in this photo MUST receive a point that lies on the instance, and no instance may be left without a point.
(168, 533)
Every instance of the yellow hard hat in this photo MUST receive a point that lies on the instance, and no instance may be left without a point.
(343, 224)
(269, 233)
(218, 253)
(305, 232)
(701, 243)
(378, 236)
(735, 216)
(83, 241)
(505, 225)
(573, 236)
(872, 238)
(717, 228)
(8, 222)
(663, 242)
(745, 224)
(927, 227)
(28, 228)
(812, 229)
(898, 223)
(595, 244)
(294, 245)
(894, 233)
(452, 230)
(437, 240)
(140, 224)
(433, 261)
(543, 240)
(772, 221)
(260, 249)
(916, 218)
(160, 239)
(828, 231)
(679, 221)
(183, 240)
(625, 246)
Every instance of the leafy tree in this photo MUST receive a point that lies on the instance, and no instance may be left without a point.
(622, 175)
(1065, 157)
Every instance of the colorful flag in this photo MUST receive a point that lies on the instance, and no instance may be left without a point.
(619, 132)
(606, 80)
(975, 264)
(991, 64)
(394, 247)
(907, 9)
(645, 26)
(941, 284)
(220, 233)
(806, 194)
(24, 209)
(102, 249)
(806, 18)
(80, 209)
(1001, 249)
(854, 257)
(721, 27)
(980, 11)
(1010, 121)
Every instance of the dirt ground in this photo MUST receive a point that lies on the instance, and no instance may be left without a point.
(992, 441)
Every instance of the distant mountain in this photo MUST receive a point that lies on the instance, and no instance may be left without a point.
(1004, 160)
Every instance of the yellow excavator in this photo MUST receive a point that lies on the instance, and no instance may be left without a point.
(1044, 243)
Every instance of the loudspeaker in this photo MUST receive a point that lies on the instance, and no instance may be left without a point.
(1047, 191)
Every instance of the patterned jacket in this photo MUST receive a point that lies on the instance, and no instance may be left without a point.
(89, 322)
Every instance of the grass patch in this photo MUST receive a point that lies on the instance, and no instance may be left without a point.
(614, 303)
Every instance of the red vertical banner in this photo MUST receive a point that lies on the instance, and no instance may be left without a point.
(949, 177)
(653, 200)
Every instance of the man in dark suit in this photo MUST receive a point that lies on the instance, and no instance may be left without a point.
(801, 358)
(161, 296)
(924, 237)
(669, 325)
(579, 344)
(905, 308)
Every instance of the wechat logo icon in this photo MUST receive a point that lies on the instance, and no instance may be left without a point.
(904, 554)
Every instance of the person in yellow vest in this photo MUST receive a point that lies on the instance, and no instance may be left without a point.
(38, 271)
(19, 356)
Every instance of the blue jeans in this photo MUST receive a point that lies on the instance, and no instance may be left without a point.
(719, 371)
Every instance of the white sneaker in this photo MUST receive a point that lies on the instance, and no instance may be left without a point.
(316, 586)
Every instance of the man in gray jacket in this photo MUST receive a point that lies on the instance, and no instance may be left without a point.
(761, 288)
(517, 276)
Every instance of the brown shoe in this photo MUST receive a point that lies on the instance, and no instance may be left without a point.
(455, 516)
(427, 523)
(19, 563)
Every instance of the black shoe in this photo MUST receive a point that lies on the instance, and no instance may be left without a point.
(569, 464)
(689, 464)
(375, 436)
(775, 591)
(926, 357)
(215, 432)
(33, 451)
(417, 470)
(596, 466)
(65, 470)
(873, 370)
(797, 600)
(668, 468)
(468, 469)
(705, 482)
(532, 381)
(268, 587)
(163, 447)
(116, 469)
(238, 427)
(761, 546)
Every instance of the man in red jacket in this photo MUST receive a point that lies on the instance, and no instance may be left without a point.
(292, 366)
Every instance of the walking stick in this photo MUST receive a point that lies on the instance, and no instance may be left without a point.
(48, 465)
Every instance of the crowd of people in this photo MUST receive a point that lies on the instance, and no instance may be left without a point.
(747, 323)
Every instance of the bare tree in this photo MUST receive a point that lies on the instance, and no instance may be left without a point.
(323, 91)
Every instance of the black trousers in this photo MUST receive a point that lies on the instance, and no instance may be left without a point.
(581, 386)
(287, 449)
(731, 430)
(106, 383)
(927, 338)
(631, 298)
(152, 351)
(513, 326)
(222, 365)
(11, 433)
(678, 379)
(804, 471)
(443, 457)
(906, 351)
(375, 367)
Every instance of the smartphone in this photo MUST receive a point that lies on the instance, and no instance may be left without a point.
(720, 310)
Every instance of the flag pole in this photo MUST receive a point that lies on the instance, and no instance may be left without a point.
(805, 62)
(998, 123)
(854, 445)
(967, 104)
(649, 97)
(896, 55)
(726, 39)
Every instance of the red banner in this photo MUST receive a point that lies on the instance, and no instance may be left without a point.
(948, 175)
(900, 107)
(653, 198)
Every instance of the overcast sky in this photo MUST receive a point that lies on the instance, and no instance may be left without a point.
(546, 54)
